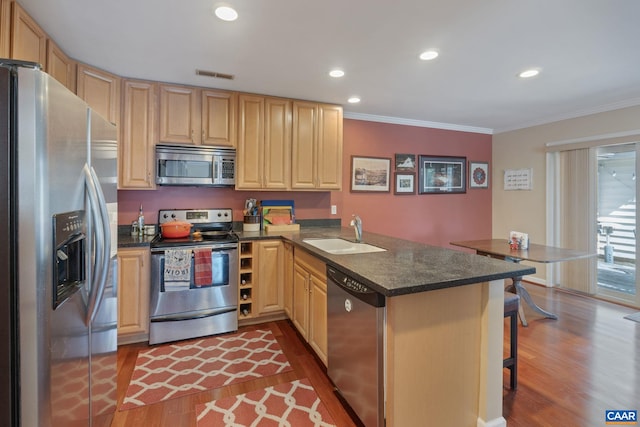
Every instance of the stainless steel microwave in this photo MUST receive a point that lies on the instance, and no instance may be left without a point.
(195, 165)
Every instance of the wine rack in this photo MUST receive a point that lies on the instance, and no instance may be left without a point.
(247, 275)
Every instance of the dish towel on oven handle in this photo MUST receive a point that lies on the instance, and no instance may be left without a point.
(203, 273)
(177, 269)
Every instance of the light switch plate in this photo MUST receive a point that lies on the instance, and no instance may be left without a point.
(334, 210)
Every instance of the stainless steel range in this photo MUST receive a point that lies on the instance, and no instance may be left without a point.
(194, 286)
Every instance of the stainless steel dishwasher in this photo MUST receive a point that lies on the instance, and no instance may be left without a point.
(355, 331)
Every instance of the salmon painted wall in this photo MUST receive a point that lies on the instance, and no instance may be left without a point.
(433, 219)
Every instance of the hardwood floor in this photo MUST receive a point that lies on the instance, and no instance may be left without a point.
(573, 369)
(570, 370)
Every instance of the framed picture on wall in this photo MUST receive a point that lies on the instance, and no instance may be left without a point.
(405, 162)
(370, 174)
(478, 174)
(405, 183)
(442, 175)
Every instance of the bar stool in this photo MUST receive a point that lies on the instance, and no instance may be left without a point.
(511, 305)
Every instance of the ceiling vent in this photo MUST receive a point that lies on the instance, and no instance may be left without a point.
(215, 74)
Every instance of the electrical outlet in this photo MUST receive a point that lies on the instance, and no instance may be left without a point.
(334, 210)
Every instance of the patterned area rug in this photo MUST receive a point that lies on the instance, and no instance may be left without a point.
(635, 317)
(294, 404)
(175, 370)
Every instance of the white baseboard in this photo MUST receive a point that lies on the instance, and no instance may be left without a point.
(496, 422)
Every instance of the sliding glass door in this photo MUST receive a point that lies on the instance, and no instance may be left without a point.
(591, 196)
(616, 227)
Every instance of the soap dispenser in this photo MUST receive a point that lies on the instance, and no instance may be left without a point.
(140, 222)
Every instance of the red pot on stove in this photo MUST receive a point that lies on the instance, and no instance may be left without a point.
(175, 229)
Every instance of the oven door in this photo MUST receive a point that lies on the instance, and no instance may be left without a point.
(175, 301)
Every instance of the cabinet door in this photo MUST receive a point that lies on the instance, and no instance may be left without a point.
(318, 316)
(179, 115)
(136, 157)
(101, 90)
(329, 148)
(133, 293)
(270, 276)
(5, 28)
(60, 66)
(250, 142)
(219, 118)
(28, 40)
(303, 165)
(288, 279)
(300, 316)
(277, 144)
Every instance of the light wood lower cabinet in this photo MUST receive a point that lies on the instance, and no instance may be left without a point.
(310, 301)
(270, 276)
(288, 279)
(133, 295)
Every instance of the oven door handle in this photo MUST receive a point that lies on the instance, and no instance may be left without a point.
(192, 315)
(224, 247)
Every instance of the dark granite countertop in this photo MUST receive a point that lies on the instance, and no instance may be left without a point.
(404, 268)
(127, 240)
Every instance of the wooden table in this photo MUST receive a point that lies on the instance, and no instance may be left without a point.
(500, 249)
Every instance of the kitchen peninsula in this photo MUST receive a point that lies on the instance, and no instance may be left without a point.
(444, 324)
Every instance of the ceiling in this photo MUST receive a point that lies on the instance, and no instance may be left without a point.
(587, 51)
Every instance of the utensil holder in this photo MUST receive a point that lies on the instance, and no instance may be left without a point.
(251, 223)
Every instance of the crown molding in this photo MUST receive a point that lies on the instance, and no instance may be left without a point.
(412, 122)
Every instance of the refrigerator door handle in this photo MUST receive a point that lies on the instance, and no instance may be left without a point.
(103, 244)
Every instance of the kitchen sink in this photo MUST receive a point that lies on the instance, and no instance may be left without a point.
(342, 247)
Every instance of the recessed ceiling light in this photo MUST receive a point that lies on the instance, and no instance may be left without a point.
(428, 55)
(529, 73)
(336, 73)
(226, 13)
(353, 100)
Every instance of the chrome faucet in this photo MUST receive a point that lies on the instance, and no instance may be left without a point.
(356, 223)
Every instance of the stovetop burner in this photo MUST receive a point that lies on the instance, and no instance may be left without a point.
(210, 226)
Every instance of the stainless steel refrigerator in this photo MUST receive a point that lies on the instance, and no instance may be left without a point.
(58, 221)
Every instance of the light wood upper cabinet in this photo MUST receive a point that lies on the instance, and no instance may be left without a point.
(179, 114)
(101, 90)
(189, 115)
(137, 142)
(60, 66)
(28, 40)
(329, 151)
(219, 126)
(316, 146)
(270, 276)
(5, 28)
(264, 143)
(133, 295)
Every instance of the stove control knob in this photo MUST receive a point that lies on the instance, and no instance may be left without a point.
(173, 216)
(165, 216)
(219, 214)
